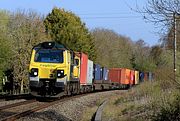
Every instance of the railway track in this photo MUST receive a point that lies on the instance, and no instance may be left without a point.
(11, 109)
(34, 106)
(17, 104)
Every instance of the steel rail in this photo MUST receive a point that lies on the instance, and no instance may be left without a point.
(17, 104)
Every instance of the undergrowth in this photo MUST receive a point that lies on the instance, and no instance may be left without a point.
(153, 101)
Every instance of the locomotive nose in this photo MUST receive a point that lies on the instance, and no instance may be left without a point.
(51, 75)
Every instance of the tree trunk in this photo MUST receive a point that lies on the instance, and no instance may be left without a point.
(21, 91)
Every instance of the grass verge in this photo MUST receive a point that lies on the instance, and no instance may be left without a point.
(153, 101)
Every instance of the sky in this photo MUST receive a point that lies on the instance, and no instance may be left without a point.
(115, 15)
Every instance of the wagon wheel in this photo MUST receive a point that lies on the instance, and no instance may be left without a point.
(78, 88)
(69, 89)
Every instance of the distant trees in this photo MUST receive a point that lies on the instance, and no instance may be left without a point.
(113, 50)
(143, 58)
(156, 54)
(67, 28)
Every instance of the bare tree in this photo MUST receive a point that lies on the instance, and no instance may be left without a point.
(165, 15)
(160, 12)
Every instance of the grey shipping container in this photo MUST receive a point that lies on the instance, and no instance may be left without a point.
(105, 72)
(90, 72)
(150, 76)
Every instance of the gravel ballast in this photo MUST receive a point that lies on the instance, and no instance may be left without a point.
(71, 110)
(3, 103)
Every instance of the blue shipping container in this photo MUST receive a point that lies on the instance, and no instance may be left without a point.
(105, 72)
(141, 76)
(97, 72)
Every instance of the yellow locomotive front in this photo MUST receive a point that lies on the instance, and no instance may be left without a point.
(50, 69)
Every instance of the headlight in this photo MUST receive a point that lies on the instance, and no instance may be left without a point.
(34, 72)
(60, 73)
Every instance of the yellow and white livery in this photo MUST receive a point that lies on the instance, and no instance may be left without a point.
(52, 70)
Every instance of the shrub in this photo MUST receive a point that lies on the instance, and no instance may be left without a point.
(168, 112)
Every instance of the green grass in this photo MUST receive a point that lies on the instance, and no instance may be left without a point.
(156, 101)
(90, 110)
(88, 113)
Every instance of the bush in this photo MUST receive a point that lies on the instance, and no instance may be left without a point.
(169, 112)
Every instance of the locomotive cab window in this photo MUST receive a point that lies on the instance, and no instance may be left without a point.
(49, 56)
(77, 62)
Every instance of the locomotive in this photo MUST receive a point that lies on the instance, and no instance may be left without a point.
(53, 70)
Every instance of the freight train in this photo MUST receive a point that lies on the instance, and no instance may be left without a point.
(56, 70)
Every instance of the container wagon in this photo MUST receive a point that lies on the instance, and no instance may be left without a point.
(119, 77)
(98, 82)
